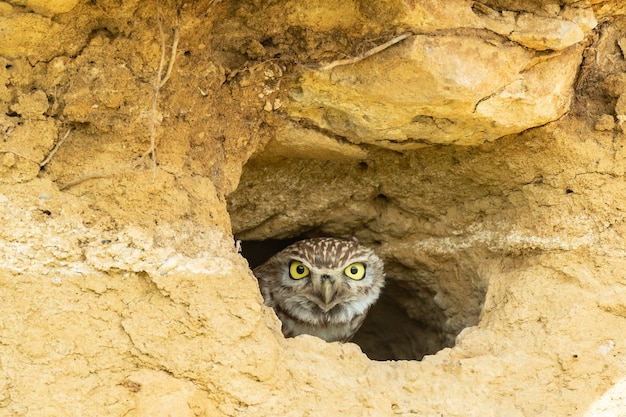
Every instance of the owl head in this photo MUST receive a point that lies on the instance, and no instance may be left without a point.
(322, 280)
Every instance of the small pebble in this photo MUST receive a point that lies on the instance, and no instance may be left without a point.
(605, 122)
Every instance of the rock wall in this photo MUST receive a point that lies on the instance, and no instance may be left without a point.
(477, 147)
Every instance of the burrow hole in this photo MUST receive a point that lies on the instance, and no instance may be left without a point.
(427, 300)
(405, 323)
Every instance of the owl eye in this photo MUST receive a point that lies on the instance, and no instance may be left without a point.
(355, 271)
(298, 270)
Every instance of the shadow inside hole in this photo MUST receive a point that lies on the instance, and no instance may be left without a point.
(257, 252)
(388, 332)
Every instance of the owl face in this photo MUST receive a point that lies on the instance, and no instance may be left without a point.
(322, 281)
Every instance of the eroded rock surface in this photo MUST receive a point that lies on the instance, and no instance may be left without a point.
(450, 89)
(122, 289)
(464, 86)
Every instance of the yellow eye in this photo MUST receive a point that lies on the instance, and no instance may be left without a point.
(298, 270)
(355, 271)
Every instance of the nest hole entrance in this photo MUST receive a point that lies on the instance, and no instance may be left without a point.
(400, 206)
(393, 329)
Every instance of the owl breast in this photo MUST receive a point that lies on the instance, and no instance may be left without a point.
(322, 287)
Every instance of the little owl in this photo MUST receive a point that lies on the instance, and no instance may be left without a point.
(323, 287)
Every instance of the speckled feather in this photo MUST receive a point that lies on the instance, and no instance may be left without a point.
(298, 304)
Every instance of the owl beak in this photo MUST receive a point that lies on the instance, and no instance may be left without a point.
(328, 292)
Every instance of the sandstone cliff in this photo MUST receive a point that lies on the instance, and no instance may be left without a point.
(478, 147)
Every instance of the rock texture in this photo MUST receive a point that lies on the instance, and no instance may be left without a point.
(482, 156)
(449, 89)
(463, 86)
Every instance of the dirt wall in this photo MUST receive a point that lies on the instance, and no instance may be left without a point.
(477, 147)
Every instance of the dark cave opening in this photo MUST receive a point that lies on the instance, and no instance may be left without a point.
(388, 332)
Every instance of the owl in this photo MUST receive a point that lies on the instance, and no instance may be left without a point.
(323, 287)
